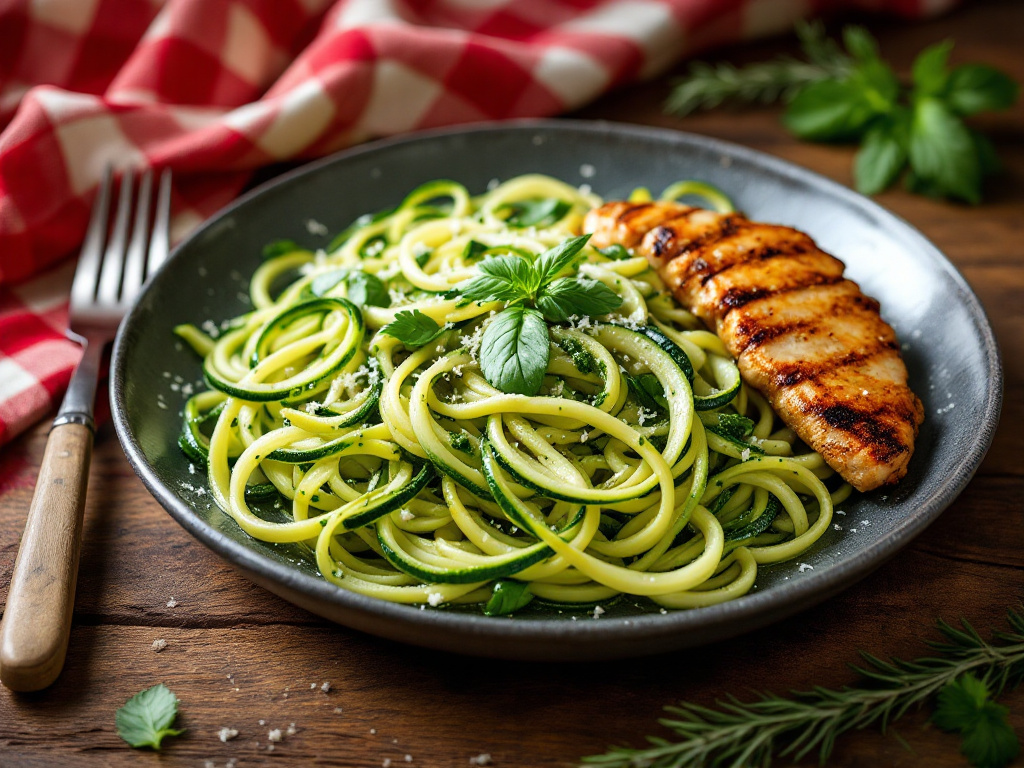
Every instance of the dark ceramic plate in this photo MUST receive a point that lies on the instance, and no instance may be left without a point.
(949, 349)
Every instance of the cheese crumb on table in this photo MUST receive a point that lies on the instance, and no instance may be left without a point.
(275, 735)
(291, 729)
(159, 645)
(483, 758)
(172, 603)
(325, 687)
(226, 734)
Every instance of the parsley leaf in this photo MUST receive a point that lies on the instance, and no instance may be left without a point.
(536, 213)
(964, 705)
(554, 260)
(502, 278)
(414, 329)
(146, 717)
(572, 296)
(514, 350)
(507, 597)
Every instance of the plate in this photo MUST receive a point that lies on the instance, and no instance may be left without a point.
(948, 346)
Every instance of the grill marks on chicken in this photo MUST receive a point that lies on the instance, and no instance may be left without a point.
(802, 334)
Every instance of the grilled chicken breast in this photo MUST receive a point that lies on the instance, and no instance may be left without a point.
(802, 334)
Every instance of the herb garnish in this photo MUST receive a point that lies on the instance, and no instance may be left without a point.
(745, 734)
(514, 349)
(363, 289)
(507, 597)
(146, 717)
(414, 329)
(854, 96)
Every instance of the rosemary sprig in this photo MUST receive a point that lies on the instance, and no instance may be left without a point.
(707, 86)
(738, 734)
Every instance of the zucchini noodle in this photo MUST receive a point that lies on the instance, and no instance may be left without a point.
(643, 466)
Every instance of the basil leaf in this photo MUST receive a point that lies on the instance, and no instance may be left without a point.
(734, 425)
(146, 718)
(514, 351)
(323, 283)
(615, 252)
(647, 391)
(930, 70)
(473, 250)
(975, 88)
(882, 156)
(502, 278)
(413, 329)
(572, 296)
(942, 153)
(829, 110)
(554, 260)
(366, 290)
(280, 248)
(536, 213)
(507, 597)
(423, 258)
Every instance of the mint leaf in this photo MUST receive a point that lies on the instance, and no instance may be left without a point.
(502, 278)
(280, 248)
(942, 153)
(366, 290)
(974, 88)
(554, 260)
(536, 213)
(572, 296)
(413, 329)
(507, 597)
(146, 718)
(829, 110)
(882, 155)
(514, 351)
(964, 706)
(930, 70)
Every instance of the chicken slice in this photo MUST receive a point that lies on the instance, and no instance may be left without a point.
(802, 334)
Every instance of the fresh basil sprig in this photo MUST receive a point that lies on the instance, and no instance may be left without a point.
(914, 129)
(414, 329)
(514, 348)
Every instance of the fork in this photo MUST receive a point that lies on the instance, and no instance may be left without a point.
(37, 619)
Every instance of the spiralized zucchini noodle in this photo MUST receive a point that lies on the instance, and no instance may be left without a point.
(641, 466)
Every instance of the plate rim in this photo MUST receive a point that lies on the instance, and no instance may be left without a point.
(756, 609)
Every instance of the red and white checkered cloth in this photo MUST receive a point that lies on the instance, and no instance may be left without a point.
(217, 88)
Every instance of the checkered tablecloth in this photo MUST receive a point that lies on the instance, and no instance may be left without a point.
(217, 88)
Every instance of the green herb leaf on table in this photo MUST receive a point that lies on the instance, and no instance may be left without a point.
(146, 718)
(570, 296)
(964, 705)
(856, 97)
(507, 597)
(514, 350)
(414, 329)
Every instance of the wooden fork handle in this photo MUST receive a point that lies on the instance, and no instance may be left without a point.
(37, 619)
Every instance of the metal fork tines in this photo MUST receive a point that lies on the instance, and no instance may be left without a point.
(116, 259)
(111, 271)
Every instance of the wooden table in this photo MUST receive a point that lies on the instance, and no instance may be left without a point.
(239, 657)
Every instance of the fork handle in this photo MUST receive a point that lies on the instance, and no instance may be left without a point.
(37, 619)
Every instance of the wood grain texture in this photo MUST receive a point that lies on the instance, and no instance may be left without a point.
(37, 617)
(441, 709)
